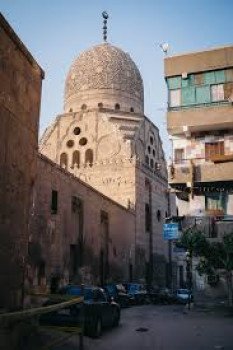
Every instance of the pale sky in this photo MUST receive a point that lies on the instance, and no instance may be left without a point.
(56, 31)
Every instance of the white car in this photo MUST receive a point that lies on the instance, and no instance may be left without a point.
(183, 295)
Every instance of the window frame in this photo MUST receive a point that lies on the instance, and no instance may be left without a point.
(179, 103)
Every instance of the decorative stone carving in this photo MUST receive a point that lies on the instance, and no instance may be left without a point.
(104, 67)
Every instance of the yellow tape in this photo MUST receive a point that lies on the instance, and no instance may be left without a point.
(39, 310)
(64, 329)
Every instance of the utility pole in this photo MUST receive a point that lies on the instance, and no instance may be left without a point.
(150, 241)
(170, 270)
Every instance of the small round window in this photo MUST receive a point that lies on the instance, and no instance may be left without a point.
(70, 143)
(83, 141)
(77, 130)
(83, 107)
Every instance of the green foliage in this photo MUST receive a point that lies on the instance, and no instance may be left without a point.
(214, 255)
(194, 242)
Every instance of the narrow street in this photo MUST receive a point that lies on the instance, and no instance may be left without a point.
(169, 327)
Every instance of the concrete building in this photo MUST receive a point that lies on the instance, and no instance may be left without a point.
(104, 139)
(20, 95)
(200, 125)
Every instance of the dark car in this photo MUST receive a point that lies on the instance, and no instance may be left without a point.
(118, 293)
(137, 293)
(96, 311)
(163, 296)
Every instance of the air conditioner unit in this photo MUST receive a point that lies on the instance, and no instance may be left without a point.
(184, 75)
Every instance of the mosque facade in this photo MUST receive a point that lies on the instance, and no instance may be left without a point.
(105, 141)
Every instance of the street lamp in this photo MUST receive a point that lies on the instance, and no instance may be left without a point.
(189, 276)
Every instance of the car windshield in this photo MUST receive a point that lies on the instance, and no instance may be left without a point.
(134, 287)
(120, 288)
(183, 291)
(75, 290)
(111, 289)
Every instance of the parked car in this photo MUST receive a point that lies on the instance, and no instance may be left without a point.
(96, 311)
(184, 295)
(137, 293)
(162, 296)
(118, 293)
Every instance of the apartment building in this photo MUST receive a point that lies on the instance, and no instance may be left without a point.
(200, 127)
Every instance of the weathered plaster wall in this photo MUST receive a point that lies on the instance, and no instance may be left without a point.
(20, 93)
(54, 233)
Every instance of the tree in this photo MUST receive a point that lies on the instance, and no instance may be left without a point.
(213, 255)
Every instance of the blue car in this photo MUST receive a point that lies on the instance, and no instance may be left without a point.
(96, 312)
(137, 293)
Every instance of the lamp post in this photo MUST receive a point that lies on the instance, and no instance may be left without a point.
(189, 276)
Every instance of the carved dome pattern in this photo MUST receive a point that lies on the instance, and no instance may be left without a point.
(104, 67)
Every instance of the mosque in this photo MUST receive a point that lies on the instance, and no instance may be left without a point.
(106, 142)
(94, 195)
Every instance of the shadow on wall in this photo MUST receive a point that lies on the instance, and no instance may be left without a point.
(160, 270)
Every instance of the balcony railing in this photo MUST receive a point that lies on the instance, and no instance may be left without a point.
(201, 170)
(199, 105)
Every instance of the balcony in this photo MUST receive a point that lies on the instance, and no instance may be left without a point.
(194, 119)
(180, 173)
(210, 171)
(199, 170)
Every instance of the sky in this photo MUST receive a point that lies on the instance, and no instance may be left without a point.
(57, 31)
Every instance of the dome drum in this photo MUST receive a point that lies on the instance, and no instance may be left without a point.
(108, 99)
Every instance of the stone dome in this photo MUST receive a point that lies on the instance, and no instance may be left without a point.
(104, 76)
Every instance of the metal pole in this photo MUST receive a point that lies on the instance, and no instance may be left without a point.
(150, 241)
(170, 264)
(170, 272)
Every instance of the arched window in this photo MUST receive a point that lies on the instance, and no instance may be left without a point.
(71, 110)
(131, 109)
(100, 105)
(117, 106)
(89, 157)
(83, 107)
(76, 159)
(64, 160)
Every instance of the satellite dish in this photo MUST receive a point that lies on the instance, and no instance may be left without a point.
(164, 47)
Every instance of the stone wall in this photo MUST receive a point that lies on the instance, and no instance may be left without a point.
(20, 93)
(87, 238)
(126, 152)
